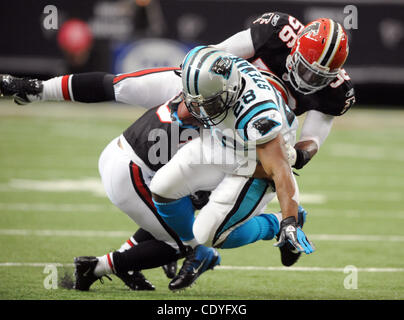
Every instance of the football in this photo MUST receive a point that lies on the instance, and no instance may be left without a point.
(183, 112)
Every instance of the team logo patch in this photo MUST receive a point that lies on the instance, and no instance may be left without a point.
(310, 30)
(222, 66)
(265, 125)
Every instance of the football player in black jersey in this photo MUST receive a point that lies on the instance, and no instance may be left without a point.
(316, 83)
(309, 61)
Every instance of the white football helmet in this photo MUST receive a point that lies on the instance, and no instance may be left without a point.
(211, 83)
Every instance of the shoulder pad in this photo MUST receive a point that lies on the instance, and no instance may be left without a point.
(264, 126)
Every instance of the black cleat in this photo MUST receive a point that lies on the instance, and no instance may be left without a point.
(23, 90)
(84, 273)
(170, 269)
(200, 260)
(135, 280)
(289, 254)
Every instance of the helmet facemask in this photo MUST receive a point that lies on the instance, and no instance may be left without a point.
(213, 110)
(211, 84)
(306, 78)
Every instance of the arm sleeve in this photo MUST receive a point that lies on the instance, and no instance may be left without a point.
(239, 44)
(316, 127)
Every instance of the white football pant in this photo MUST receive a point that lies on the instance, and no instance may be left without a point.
(126, 178)
(234, 199)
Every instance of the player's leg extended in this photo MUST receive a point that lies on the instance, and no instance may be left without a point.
(146, 88)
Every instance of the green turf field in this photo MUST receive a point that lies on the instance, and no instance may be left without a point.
(52, 209)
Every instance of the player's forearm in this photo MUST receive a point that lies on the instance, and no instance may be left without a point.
(287, 192)
(81, 87)
(274, 161)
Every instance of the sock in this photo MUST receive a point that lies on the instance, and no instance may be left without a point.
(139, 236)
(142, 235)
(278, 216)
(146, 255)
(262, 227)
(104, 266)
(179, 215)
(56, 89)
(82, 87)
(128, 244)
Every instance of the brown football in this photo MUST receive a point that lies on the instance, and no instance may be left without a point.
(183, 112)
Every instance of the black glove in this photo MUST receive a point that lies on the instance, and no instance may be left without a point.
(200, 199)
(289, 231)
(302, 157)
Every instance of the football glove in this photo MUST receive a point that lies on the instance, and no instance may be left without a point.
(302, 157)
(289, 231)
(200, 199)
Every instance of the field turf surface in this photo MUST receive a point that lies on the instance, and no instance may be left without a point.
(52, 208)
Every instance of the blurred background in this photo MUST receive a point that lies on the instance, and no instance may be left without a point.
(44, 40)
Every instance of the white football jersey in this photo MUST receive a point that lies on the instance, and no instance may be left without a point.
(257, 117)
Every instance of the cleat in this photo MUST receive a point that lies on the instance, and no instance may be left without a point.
(200, 260)
(135, 280)
(170, 269)
(289, 255)
(23, 90)
(84, 273)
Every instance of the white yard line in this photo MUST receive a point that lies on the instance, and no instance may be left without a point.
(356, 237)
(237, 268)
(306, 269)
(88, 207)
(64, 207)
(66, 233)
(358, 151)
(123, 234)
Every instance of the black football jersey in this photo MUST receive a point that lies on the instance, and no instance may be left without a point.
(273, 36)
(155, 138)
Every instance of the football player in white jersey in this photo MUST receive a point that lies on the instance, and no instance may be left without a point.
(308, 59)
(247, 123)
(126, 170)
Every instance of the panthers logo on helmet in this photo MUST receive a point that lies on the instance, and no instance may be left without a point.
(222, 66)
